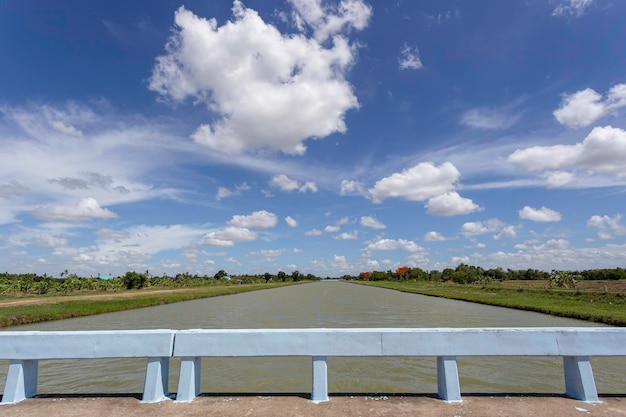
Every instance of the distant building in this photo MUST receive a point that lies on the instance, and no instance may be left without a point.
(105, 277)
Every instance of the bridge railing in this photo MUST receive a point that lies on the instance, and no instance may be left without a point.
(575, 345)
(25, 349)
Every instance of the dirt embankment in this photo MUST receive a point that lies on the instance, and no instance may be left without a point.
(472, 406)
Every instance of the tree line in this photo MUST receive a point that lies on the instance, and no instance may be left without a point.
(35, 284)
(469, 274)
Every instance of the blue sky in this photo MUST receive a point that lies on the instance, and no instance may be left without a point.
(331, 137)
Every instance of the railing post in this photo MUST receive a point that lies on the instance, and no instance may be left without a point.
(189, 382)
(579, 382)
(157, 374)
(21, 381)
(448, 387)
(320, 380)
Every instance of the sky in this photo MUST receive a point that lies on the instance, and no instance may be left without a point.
(325, 136)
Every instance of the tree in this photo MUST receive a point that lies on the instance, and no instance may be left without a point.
(282, 276)
(220, 274)
(134, 280)
(563, 279)
(296, 275)
(268, 277)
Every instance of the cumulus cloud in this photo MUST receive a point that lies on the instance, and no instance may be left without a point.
(573, 8)
(313, 232)
(369, 221)
(347, 236)
(287, 184)
(507, 233)
(393, 244)
(228, 236)
(451, 204)
(419, 183)
(491, 119)
(84, 209)
(608, 227)
(409, 58)
(602, 151)
(488, 226)
(223, 192)
(291, 221)
(351, 187)
(584, 107)
(257, 220)
(327, 20)
(268, 253)
(543, 214)
(254, 78)
(434, 237)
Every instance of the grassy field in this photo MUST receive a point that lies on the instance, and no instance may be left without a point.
(591, 305)
(33, 309)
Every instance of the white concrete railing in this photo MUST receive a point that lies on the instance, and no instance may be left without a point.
(25, 349)
(575, 345)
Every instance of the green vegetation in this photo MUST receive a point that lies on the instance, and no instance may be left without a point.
(59, 309)
(31, 298)
(594, 305)
(597, 295)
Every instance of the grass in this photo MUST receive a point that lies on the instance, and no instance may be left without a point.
(609, 308)
(26, 314)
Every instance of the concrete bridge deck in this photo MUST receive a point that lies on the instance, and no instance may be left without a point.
(339, 406)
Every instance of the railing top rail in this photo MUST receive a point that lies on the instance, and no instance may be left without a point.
(520, 341)
(86, 344)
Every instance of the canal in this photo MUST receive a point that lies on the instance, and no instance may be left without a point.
(324, 304)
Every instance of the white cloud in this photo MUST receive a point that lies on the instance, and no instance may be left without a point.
(421, 182)
(308, 186)
(223, 192)
(228, 236)
(451, 204)
(392, 244)
(409, 58)
(559, 179)
(257, 220)
(369, 221)
(47, 239)
(492, 119)
(351, 187)
(313, 232)
(489, 226)
(507, 233)
(284, 183)
(331, 229)
(584, 107)
(68, 129)
(608, 227)
(574, 8)
(84, 209)
(327, 20)
(269, 253)
(340, 263)
(543, 214)
(254, 78)
(291, 221)
(602, 151)
(287, 184)
(434, 237)
(347, 236)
